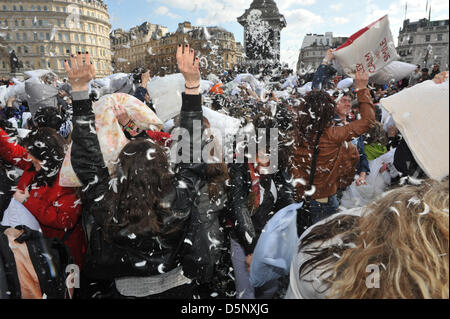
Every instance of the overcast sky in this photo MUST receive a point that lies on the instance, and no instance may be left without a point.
(343, 18)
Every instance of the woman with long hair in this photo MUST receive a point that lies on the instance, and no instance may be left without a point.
(396, 248)
(147, 217)
(337, 157)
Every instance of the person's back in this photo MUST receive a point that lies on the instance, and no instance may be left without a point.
(145, 222)
(403, 237)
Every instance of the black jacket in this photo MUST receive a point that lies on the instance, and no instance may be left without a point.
(249, 226)
(50, 258)
(6, 192)
(147, 253)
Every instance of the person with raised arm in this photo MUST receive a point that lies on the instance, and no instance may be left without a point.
(147, 223)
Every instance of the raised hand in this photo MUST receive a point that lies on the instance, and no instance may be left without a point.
(189, 66)
(121, 115)
(80, 72)
(330, 56)
(361, 80)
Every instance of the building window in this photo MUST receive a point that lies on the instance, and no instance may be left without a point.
(16, 23)
(21, 8)
(14, 8)
(47, 36)
(24, 36)
(25, 49)
(35, 36)
(23, 23)
(41, 49)
(427, 38)
(439, 37)
(38, 8)
(17, 36)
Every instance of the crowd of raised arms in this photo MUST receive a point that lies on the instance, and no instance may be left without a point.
(95, 201)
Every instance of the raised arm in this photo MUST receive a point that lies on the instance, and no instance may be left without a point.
(357, 128)
(188, 174)
(87, 159)
(321, 76)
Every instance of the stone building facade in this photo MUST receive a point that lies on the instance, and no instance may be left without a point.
(45, 32)
(216, 46)
(424, 42)
(130, 48)
(314, 49)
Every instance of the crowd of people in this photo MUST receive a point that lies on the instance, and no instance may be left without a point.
(153, 229)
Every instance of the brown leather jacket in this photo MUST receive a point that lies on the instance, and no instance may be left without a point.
(338, 157)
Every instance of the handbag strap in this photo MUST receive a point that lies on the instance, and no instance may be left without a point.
(70, 232)
(314, 162)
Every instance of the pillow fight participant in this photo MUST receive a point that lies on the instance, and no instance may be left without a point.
(189, 230)
(58, 209)
(145, 220)
(403, 238)
(337, 158)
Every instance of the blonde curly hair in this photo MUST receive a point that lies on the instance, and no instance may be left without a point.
(405, 234)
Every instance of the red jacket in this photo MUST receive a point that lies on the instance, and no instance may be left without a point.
(57, 208)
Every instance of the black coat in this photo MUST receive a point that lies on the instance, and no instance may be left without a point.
(249, 226)
(50, 258)
(5, 189)
(147, 253)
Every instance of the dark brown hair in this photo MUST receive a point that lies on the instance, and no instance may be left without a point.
(49, 147)
(316, 113)
(144, 179)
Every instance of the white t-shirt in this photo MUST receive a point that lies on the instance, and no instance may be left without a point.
(18, 215)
